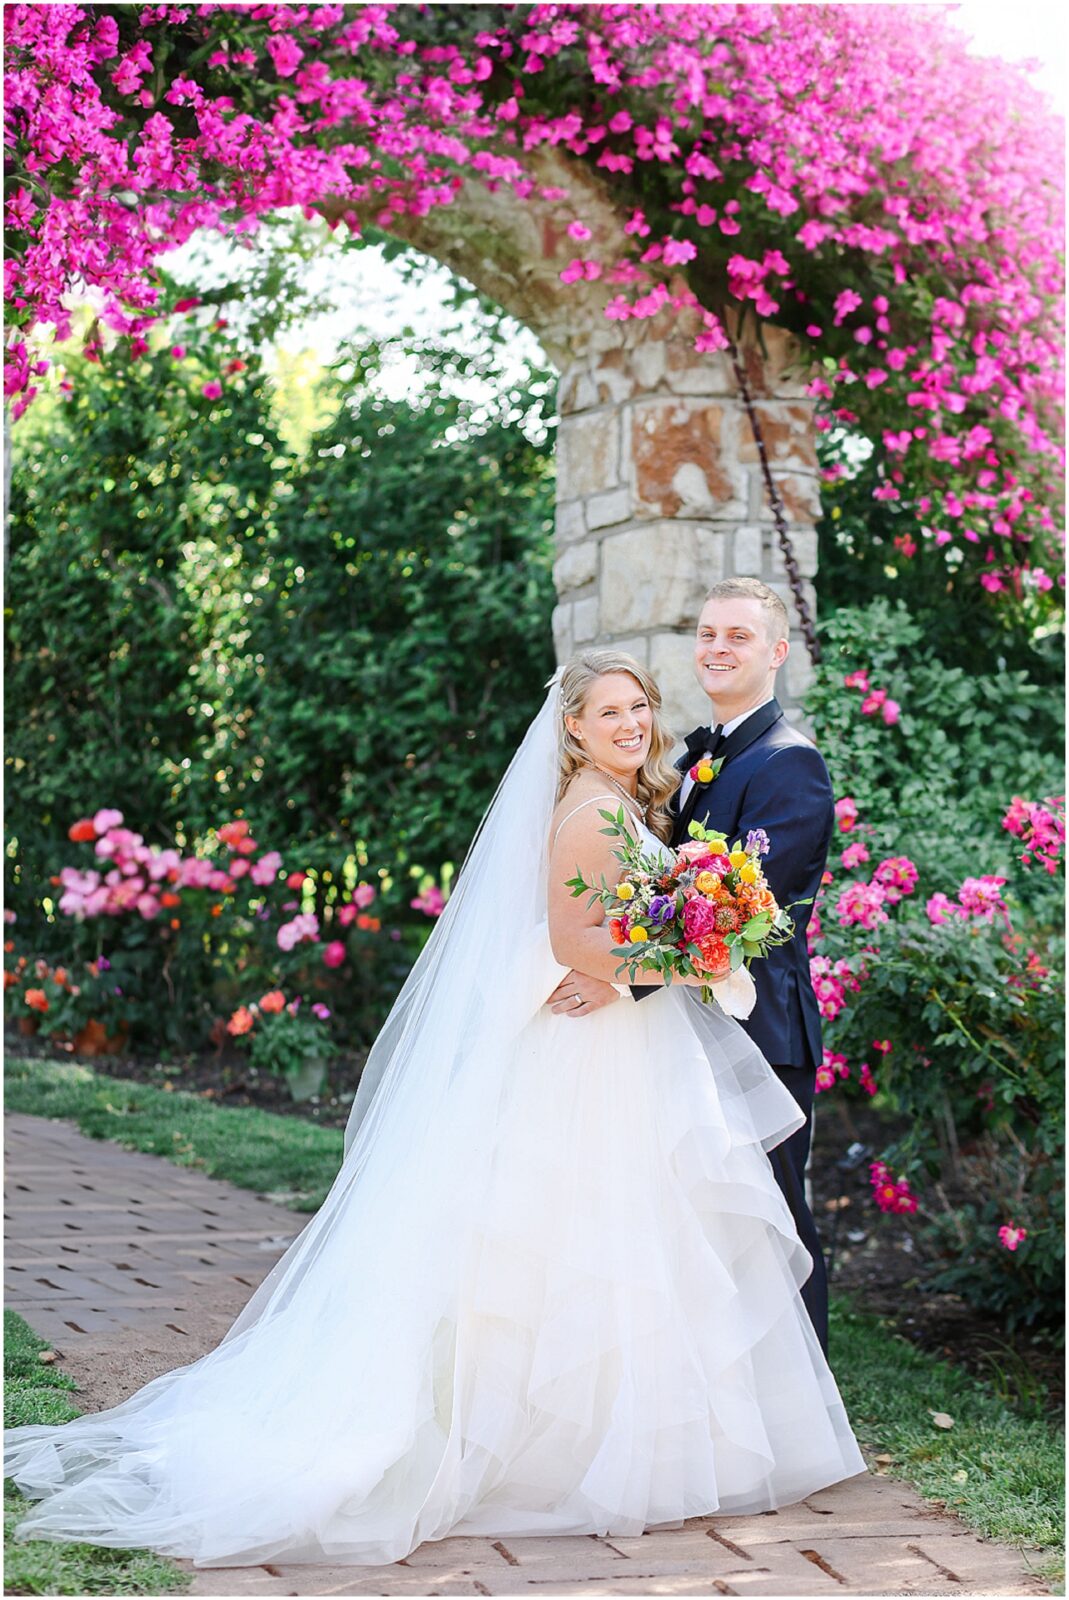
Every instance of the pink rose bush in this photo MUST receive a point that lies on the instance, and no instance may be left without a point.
(802, 145)
(1040, 826)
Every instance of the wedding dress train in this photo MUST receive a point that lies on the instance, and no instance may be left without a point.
(554, 1289)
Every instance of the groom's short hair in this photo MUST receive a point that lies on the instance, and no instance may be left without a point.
(777, 622)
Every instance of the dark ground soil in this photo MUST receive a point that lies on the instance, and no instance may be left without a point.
(878, 1260)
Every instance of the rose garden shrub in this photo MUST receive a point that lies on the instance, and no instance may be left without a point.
(938, 954)
(342, 645)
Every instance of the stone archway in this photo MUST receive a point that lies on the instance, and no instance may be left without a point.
(659, 488)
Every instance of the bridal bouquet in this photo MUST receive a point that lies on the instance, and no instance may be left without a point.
(706, 910)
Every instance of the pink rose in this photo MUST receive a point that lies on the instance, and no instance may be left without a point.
(334, 954)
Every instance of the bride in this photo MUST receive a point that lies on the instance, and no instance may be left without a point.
(554, 1288)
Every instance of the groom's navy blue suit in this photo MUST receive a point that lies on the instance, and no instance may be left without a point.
(773, 778)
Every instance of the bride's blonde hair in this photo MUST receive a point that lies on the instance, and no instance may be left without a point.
(658, 779)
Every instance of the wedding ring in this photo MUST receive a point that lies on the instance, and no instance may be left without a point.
(578, 999)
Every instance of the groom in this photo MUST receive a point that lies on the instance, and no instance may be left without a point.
(770, 777)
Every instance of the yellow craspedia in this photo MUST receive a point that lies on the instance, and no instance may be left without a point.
(739, 858)
(624, 891)
(706, 882)
(717, 846)
(638, 936)
(748, 873)
(704, 773)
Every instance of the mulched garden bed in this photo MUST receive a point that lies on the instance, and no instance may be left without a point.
(878, 1260)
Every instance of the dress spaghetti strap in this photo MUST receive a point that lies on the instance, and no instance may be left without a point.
(612, 799)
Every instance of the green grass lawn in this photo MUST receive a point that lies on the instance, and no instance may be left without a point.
(37, 1393)
(288, 1158)
(1001, 1470)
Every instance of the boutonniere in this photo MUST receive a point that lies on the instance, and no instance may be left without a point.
(704, 771)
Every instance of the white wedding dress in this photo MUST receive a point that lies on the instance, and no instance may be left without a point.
(554, 1290)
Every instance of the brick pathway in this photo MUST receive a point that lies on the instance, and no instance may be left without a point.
(131, 1265)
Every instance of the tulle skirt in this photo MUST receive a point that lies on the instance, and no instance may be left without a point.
(567, 1306)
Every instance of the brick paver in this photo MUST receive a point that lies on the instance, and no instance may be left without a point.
(131, 1265)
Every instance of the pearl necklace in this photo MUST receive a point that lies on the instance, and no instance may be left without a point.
(630, 798)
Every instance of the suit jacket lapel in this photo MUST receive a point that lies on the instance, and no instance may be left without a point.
(743, 737)
(750, 731)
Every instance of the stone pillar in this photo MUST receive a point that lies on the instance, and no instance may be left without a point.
(660, 494)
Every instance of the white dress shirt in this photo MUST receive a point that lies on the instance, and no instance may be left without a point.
(729, 727)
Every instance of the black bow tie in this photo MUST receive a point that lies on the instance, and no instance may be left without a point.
(704, 741)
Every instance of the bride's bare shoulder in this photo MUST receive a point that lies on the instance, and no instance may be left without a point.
(583, 788)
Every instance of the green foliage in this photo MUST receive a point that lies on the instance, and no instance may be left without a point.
(35, 1394)
(1002, 1472)
(342, 643)
(972, 1008)
(292, 1160)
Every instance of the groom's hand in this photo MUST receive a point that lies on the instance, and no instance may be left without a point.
(578, 995)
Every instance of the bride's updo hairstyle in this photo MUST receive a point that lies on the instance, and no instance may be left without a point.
(658, 779)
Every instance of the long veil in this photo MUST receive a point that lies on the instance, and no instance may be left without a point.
(485, 970)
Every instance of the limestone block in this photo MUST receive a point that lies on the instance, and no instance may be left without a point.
(747, 551)
(804, 544)
(637, 645)
(563, 633)
(613, 376)
(684, 454)
(800, 495)
(688, 372)
(671, 660)
(648, 364)
(657, 575)
(571, 523)
(588, 454)
(603, 510)
(788, 433)
(576, 391)
(798, 671)
(577, 566)
(585, 621)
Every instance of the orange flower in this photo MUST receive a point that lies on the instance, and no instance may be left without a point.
(369, 924)
(176, 922)
(36, 999)
(241, 1022)
(9, 945)
(274, 1001)
(217, 911)
(765, 900)
(10, 980)
(82, 830)
(715, 956)
(60, 976)
(168, 899)
(616, 931)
